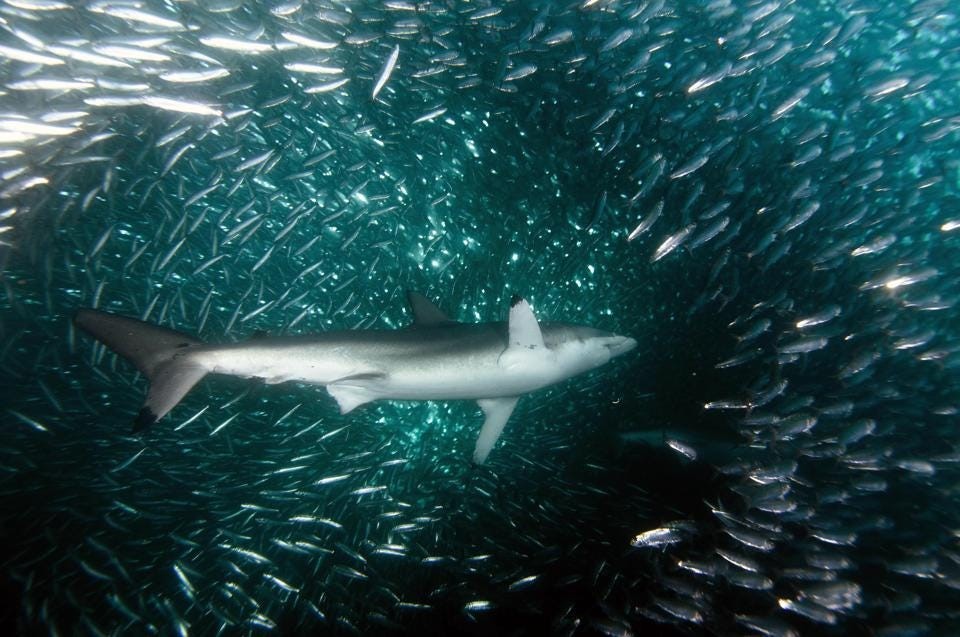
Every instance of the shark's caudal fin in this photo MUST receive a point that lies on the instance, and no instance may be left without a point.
(156, 351)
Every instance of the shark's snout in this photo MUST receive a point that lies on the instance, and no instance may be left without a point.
(619, 344)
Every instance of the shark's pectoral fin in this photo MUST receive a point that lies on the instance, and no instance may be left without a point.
(524, 328)
(525, 346)
(352, 391)
(497, 412)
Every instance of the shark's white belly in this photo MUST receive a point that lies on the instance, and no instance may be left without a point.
(465, 383)
(391, 376)
(278, 366)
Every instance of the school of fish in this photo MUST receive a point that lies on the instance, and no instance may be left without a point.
(763, 193)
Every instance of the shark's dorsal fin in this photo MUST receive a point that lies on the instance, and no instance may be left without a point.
(524, 329)
(425, 312)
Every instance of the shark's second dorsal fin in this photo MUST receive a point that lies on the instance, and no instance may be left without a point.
(425, 312)
(524, 328)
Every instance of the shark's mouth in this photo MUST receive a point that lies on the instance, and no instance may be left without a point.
(619, 344)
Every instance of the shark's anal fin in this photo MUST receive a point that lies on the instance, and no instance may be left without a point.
(497, 412)
(352, 391)
(425, 312)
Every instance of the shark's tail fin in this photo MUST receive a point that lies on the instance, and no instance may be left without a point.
(159, 353)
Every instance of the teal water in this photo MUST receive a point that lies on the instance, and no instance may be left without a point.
(800, 338)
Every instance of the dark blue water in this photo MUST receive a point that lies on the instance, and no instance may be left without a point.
(764, 195)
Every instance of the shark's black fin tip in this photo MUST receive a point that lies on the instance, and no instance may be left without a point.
(144, 419)
(516, 298)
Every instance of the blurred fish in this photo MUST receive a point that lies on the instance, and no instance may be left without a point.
(386, 71)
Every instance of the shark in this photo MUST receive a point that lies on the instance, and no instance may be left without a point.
(434, 358)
